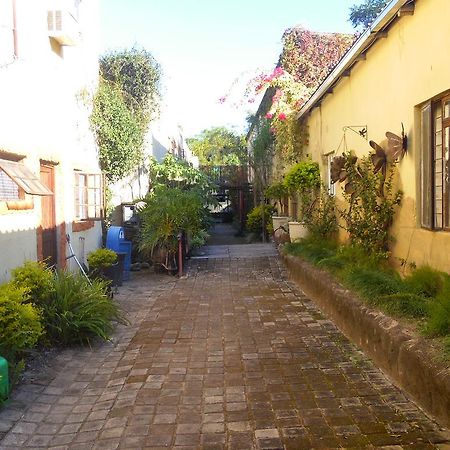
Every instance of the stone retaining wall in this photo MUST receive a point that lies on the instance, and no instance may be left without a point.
(404, 356)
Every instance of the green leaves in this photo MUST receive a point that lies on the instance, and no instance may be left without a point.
(119, 133)
(365, 13)
(303, 176)
(127, 98)
(218, 147)
(169, 211)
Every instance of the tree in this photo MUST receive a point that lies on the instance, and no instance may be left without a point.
(218, 146)
(363, 15)
(126, 100)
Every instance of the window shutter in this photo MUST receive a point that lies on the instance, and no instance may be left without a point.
(426, 168)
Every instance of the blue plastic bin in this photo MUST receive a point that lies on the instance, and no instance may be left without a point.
(115, 240)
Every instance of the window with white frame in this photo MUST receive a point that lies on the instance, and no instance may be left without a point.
(88, 196)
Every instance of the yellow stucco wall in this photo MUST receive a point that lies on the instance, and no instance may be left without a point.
(401, 71)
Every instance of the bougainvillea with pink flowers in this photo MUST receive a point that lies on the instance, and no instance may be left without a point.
(306, 59)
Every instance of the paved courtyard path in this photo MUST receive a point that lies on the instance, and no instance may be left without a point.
(231, 356)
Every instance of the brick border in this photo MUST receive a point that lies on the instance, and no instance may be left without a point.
(404, 356)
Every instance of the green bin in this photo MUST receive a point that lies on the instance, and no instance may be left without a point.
(4, 381)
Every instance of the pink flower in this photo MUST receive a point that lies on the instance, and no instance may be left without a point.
(268, 115)
(278, 72)
(282, 116)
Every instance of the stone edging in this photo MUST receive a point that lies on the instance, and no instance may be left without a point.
(405, 357)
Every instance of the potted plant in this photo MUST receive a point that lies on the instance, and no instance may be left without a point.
(277, 192)
(103, 263)
(303, 183)
(169, 213)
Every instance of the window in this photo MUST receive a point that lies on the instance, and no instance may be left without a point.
(435, 166)
(88, 196)
(23, 178)
(8, 189)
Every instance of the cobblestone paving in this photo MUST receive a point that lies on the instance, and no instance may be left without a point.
(231, 356)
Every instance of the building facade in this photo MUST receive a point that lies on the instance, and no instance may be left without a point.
(397, 74)
(50, 181)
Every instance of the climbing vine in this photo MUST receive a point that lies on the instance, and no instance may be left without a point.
(126, 100)
(371, 199)
(306, 59)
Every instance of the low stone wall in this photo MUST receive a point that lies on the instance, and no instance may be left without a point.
(404, 356)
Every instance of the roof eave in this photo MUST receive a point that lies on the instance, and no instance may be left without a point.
(367, 38)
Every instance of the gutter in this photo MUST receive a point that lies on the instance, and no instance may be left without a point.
(364, 42)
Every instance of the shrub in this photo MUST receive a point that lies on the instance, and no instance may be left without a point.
(438, 323)
(404, 304)
(303, 176)
(425, 281)
(168, 212)
(79, 311)
(20, 322)
(276, 191)
(101, 258)
(372, 201)
(313, 249)
(255, 219)
(373, 283)
(320, 216)
(36, 279)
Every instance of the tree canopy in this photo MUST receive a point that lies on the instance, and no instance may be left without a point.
(218, 146)
(364, 14)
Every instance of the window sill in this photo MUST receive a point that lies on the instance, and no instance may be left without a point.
(82, 225)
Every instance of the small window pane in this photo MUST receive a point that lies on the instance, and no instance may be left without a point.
(446, 109)
(8, 189)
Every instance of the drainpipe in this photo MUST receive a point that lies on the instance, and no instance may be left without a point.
(16, 45)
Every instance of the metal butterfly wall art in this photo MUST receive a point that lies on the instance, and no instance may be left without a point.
(396, 149)
(397, 145)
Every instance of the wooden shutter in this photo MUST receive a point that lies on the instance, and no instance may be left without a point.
(426, 168)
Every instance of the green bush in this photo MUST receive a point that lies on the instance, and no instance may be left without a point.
(312, 249)
(255, 220)
(372, 283)
(79, 311)
(303, 176)
(425, 281)
(404, 304)
(320, 215)
(438, 323)
(168, 212)
(20, 322)
(101, 258)
(37, 280)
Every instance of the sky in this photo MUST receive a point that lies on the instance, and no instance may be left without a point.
(208, 49)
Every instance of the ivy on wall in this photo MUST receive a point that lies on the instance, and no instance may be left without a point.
(126, 100)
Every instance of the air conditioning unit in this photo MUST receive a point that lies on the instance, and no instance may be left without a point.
(63, 27)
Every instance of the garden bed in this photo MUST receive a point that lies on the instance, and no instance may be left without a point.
(406, 357)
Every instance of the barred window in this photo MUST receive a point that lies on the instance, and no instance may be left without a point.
(435, 164)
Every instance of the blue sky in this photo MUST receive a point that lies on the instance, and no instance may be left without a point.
(203, 46)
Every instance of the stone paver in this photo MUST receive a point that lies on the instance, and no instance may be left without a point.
(231, 356)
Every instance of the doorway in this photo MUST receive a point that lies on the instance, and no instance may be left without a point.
(48, 220)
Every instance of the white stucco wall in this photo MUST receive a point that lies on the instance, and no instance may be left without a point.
(44, 116)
